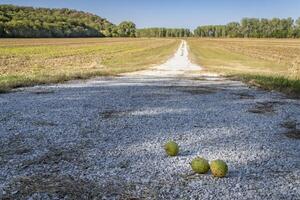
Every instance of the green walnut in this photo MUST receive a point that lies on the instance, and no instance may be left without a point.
(218, 168)
(172, 148)
(200, 165)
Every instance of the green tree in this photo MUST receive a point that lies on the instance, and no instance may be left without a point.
(297, 28)
(126, 29)
(233, 29)
(2, 32)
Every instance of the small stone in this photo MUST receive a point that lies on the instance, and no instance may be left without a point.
(14, 192)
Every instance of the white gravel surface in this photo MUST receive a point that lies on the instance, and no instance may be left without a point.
(103, 138)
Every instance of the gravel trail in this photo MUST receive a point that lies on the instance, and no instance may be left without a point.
(103, 138)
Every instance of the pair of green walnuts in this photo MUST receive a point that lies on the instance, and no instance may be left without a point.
(200, 165)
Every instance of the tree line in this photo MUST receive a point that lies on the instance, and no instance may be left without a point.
(17, 21)
(253, 28)
(163, 32)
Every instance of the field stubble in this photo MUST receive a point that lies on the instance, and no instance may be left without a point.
(27, 62)
(268, 63)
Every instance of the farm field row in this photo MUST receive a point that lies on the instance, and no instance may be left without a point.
(27, 62)
(268, 63)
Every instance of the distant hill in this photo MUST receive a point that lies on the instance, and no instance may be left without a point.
(17, 21)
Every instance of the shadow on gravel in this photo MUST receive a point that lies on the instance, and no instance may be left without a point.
(15, 146)
(44, 123)
(292, 131)
(114, 114)
(51, 186)
(293, 134)
(244, 95)
(109, 143)
(74, 155)
(6, 117)
(194, 90)
(41, 92)
(55, 186)
(267, 107)
(53, 157)
(152, 95)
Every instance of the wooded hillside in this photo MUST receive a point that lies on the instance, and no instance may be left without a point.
(16, 21)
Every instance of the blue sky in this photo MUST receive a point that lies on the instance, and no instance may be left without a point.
(174, 13)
